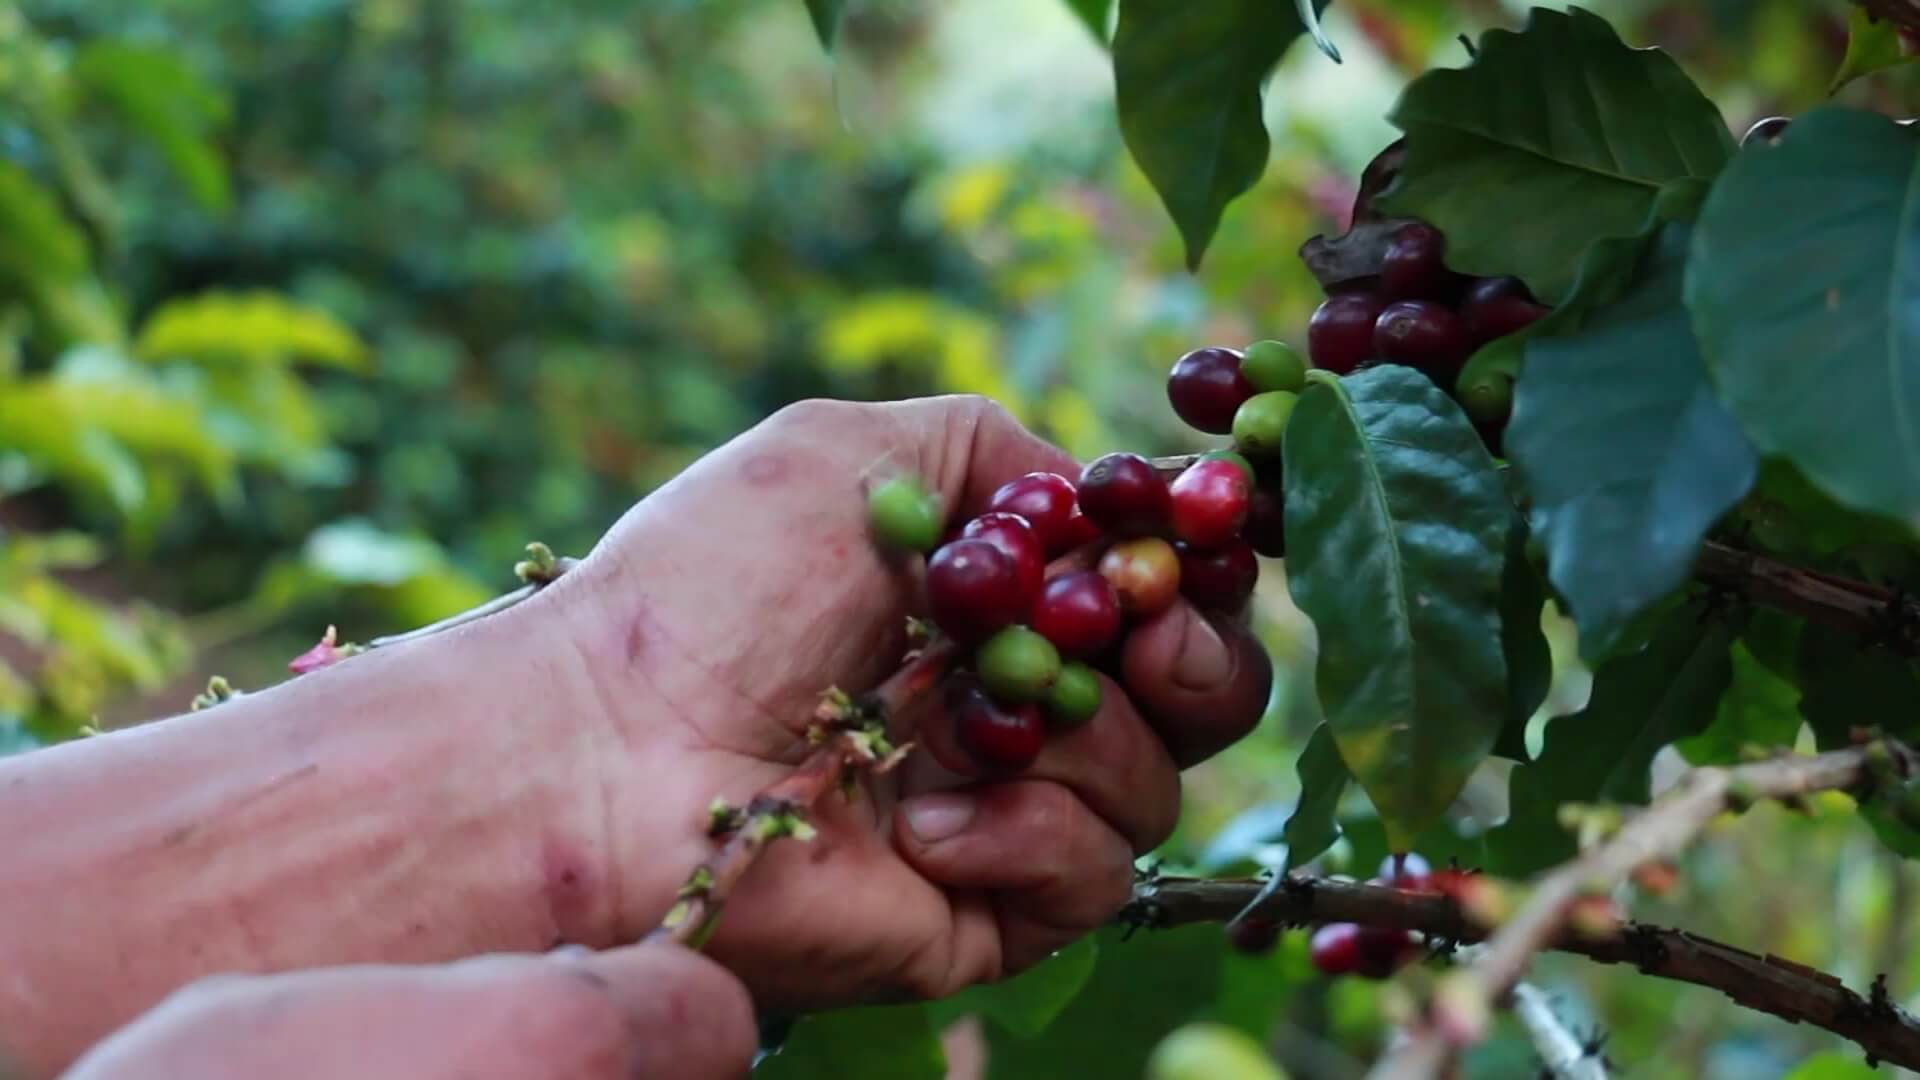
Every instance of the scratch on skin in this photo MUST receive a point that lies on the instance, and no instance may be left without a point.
(180, 834)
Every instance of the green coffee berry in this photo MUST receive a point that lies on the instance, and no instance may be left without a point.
(1075, 697)
(904, 515)
(1260, 425)
(1274, 365)
(1018, 665)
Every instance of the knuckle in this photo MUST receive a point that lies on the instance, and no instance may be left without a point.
(813, 413)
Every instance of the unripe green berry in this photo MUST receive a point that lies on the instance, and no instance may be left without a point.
(1274, 365)
(1260, 426)
(1018, 665)
(1233, 456)
(1075, 697)
(903, 515)
(1488, 398)
(1205, 1050)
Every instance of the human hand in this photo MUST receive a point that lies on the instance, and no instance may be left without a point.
(641, 1011)
(713, 615)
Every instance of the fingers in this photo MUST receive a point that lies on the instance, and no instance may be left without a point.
(1053, 868)
(971, 446)
(1202, 683)
(642, 1011)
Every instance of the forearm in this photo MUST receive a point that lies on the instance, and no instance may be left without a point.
(347, 816)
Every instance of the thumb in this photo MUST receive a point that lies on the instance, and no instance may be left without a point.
(688, 1015)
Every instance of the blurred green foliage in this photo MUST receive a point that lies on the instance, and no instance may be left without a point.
(316, 310)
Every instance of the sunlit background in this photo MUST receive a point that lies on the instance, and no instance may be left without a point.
(316, 311)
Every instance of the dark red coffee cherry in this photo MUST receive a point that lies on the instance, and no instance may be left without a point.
(1125, 495)
(1422, 335)
(1210, 502)
(1482, 290)
(1497, 317)
(1000, 738)
(1335, 949)
(1046, 500)
(1079, 612)
(973, 590)
(1018, 540)
(1409, 871)
(1206, 386)
(1253, 935)
(1413, 267)
(1382, 951)
(1220, 578)
(1266, 527)
(1340, 334)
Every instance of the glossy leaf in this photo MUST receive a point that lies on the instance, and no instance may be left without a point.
(1188, 83)
(859, 1044)
(1314, 825)
(1872, 45)
(1641, 701)
(1760, 709)
(1523, 598)
(1027, 1003)
(1625, 452)
(1095, 15)
(1577, 132)
(1396, 540)
(1810, 321)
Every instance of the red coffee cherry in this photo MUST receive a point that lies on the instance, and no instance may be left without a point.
(1018, 541)
(1409, 871)
(1413, 267)
(1340, 333)
(1079, 612)
(1206, 386)
(1125, 495)
(1266, 527)
(1335, 949)
(1253, 935)
(1497, 317)
(998, 737)
(1218, 579)
(1210, 502)
(1046, 500)
(1383, 951)
(1423, 335)
(974, 589)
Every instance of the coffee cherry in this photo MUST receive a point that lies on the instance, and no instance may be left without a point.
(973, 590)
(1382, 951)
(1075, 697)
(1497, 317)
(1409, 871)
(1046, 500)
(1766, 131)
(1260, 427)
(1422, 335)
(1124, 495)
(1266, 528)
(904, 515)
(1253, 934)
(1205, 386)
(1340, 334)
(1079, 612)
(1210, 1050)
(1233, 457)
(1219, 578)
(1210, 502)
(1413, 267)
(1001, 738)
(1018, 665)
(1017, 540)
(1335, 949)
(1274, 365)
(1488, 397)
(1504, 286)
(1145, 573)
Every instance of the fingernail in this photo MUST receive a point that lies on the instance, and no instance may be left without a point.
(569, 952)
(1205, 661)
(933, 818)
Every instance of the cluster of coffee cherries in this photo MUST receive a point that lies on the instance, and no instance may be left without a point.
(1418, 313)
(1034, 641)
(1371, 952)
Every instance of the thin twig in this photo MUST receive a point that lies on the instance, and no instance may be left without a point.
(1770, 984)
(1663, 830)
(1562, 1056)
(782, 809)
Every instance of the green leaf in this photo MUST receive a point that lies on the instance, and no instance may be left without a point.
(259, 327)
(885, 1043)
(165, 102)
(1577, 132)
(1523, 597)
(1188, 82)
(826, 19)
(1095, 15)
(1833, 1065)
(1310, 18)
(1641, 701)
(1759, 709)
(1847, 683)
(41, 242)
(1396, 540)
(1028, 1003)
(1625, 452)
(1808, 318)
(1112, 1025)
(1314, 825)
(1872, 45)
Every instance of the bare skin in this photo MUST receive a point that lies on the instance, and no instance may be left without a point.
(542, 776)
